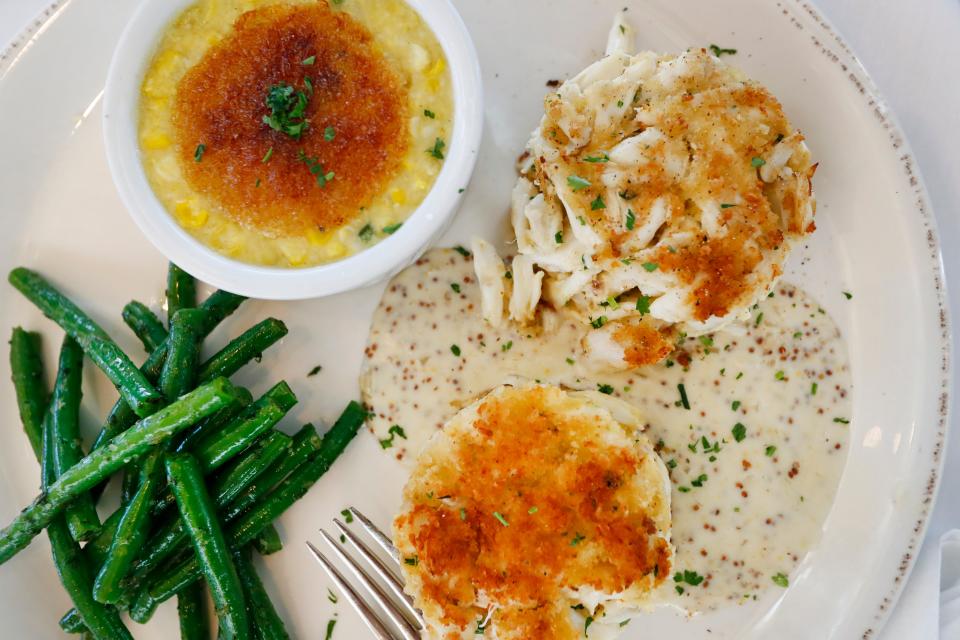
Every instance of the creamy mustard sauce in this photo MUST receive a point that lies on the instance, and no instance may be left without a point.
(754, 461)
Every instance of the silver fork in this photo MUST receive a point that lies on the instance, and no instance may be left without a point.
(389, 614)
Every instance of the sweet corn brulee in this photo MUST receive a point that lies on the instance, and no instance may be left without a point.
(295, 133)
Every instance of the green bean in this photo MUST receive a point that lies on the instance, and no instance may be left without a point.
(192, 612)
(218, 448)
(268, 541)
(215, 423)
(266, 620)
(171, 537)
(99, 465)
(29, 382)
(136, 390)
(306, 443)
(218, 306)
(145, 325)
(177, 377)
(130, 535)
(212, 553)
(101, 621)
(71, 622)
(181, 291)
(241, 350)
(143, 608)
(81, 514)
(246, 527)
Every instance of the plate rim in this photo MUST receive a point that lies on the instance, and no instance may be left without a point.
(856, 73)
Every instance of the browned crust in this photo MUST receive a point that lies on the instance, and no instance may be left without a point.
(220, 103)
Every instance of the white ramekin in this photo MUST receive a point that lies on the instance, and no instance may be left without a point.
(423, 227)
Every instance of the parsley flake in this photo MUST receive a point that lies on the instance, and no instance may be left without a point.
(684, 401)
(643, 304)
(455, 350)
(631, 219)
(429, 114)
(605, 389)
(720, 51)
(366, 233)
(390, 229)
(577, 183)
(739, 432)
(198, 154)
(651, 266)
(500, 518)
(598, 204)
(781, 580)
(757, 162)
(287, 107)
(437, 150)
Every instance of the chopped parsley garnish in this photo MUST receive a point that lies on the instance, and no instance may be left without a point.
(331, 596)
(455, 287)
(308, 61)
(329, 134)
(598, 158)
(323, 176)
(781, 580)
(643, 304)
(437, 150)
(598, 204)
(558, 236)
(739, 375)
(606, 389)
(198, 154)
(577, 183)
(683, 489)
(257, 183)
(577, 539)
(672, 463)
(570, 361)
(309, 85)
(720, 51)
(631, 219)
(412, 561)
(317, 369)
(627, 195)
(347, 515)
(287, 107)
(390, 229)
(620, 104)
(455, 350)
(691, 578)
(684, 401)
(366, 233)
(533, 510)
(463, 513)
(699, 480)
(770, 450)
(798, 334)
(507, 346)
(500, 518)
(596, 323)
(847, 295)
(813, 389)
(586, 625)
(267, 156)
(706, 341)
(780, 375)
(739, 432)
(758, 162)
(651, 266)
(727, 205)
(330, 625)
(463, 252)
(735, 405)
(759, 319)
(841, 421)
(611, 302)
(429, 114)
(393, 432)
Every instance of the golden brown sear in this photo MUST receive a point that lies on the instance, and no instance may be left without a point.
(524, 499)
(355, 115)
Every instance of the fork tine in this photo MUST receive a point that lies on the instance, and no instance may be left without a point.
(392, 581)
(378, 536)
(406, 629)
(366, 614)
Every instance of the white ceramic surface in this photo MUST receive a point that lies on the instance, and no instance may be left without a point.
(876, 239)
(120, 123)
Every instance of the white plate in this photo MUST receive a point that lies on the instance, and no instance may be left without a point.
(876, 238)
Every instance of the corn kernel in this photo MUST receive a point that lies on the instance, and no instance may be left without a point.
(156, 141)
(399, 196)
(437, 68)
(317, 238)
(336, 249)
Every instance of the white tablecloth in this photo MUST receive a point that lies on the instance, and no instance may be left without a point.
(912, 49)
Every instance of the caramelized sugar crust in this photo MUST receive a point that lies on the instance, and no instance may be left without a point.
(220, 103)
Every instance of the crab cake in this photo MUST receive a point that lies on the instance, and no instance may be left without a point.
(534, 513)
(661, 191)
